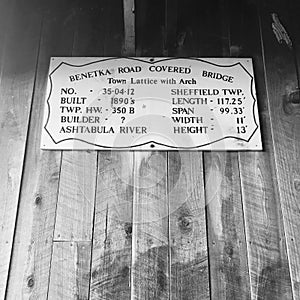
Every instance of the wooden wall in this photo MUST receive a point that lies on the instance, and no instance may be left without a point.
(149, 225)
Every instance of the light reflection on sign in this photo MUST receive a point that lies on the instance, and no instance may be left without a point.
(151, 103)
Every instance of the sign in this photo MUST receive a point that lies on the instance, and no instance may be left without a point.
(151, 103)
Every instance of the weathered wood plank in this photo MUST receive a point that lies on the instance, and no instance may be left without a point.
(129, 27)
(7, 7)
(171, 22)
(18, 65)
(227, 245)
(204, 28)
(78, 172)
(198, 29)
(293, 32)
(75, 220)
(30, 265)
(111, 253)
(150, 276)
(29, 275)
(188, 237)
(149, 27)
(99, 29)
(268, 265)
(281, 81)
(76, 195)
(70, 271)
(150, 233)
(188, 252)
(100, 33)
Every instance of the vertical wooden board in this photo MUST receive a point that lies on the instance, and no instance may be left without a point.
(268, 264)
(281, 81)
(188, 240)
(150, 234)
(29, 270)
(100, 28)
(189, 274)
(204, 31)
(198, 29)
(113, 22)
(140, 22)
(6, 22)
(75, 205)
(70, 271)
(18, 66)
(29, 273)
(78, 173)
(293, 32)
(111, 253)
(226, 237)
(150, 245)
(195, 23)
(149, 27)
(170, 30)
(99, 32)
(129, 27)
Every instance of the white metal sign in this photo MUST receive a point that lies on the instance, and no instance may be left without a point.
(151, 103)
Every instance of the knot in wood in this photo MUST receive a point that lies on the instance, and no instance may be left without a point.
(294, 97)
(95, 273)
(291, 102)
(125, 272)
(185, 223)
(128, 229)
(229, 250)
(38, 199)
(297, 185)
(30, 281)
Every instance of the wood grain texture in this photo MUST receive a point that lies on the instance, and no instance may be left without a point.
(150, 22)
(76, 196)
(99, 32)
(187, 227)
(205, 32)
(293, 31)
(18, 65)
(150, 276)
(268, 263)
(147, 243)
(187, 234)
(30, 265)
(70, 271)
(129, 27)
(111, 253)
(226, 236)
(170, 26)
(7, 8)
(78, 172)
(150, 233)
(281, 81)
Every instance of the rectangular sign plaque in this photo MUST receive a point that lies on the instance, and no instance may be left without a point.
(151, 103)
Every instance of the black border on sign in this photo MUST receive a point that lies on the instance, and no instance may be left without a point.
(152, 142)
